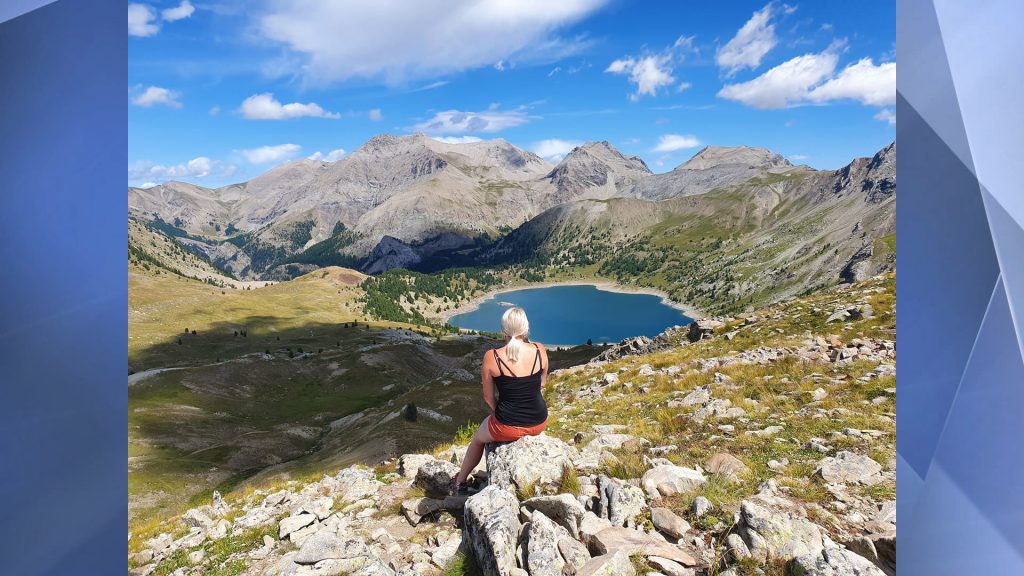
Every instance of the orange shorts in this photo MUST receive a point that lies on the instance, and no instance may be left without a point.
(505, 433)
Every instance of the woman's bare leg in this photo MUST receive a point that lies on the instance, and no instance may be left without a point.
(475, 451)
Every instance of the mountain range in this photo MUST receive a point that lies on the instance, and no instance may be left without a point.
(731, 225)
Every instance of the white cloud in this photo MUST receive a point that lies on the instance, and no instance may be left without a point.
(182, 11)
(142, 20)
(332, 156)
(649, 73)
(886, 115)
(554, 71)
(265, 107)
(375, 115)
(863, 81)
(154, 95)
(214, 110)
(457, 139)
(755, 39)
(799, 157)
(200, 167)
(554, 149)
(785, 85)
(683, 86)
(673, 142)
(396, 41)
(269, 154)
(458, 122)
(811, 79)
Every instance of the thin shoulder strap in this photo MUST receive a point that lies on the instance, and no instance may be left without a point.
(502, 363)
(536, 359)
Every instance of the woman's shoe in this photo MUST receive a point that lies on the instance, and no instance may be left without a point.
(459, 488)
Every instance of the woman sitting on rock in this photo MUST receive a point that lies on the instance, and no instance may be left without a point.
(517, 371)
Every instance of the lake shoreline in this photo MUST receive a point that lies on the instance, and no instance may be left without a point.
(605, 285)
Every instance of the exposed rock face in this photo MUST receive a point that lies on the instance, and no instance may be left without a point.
(595, 170)
(529, 460)
(668, 523)
(492, 529)
(713, 167)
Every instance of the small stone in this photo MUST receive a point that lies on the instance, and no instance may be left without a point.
(669, 523)
(701, 506)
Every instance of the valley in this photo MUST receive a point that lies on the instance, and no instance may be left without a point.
(299, 324)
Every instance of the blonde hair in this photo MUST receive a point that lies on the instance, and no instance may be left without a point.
(513, 325)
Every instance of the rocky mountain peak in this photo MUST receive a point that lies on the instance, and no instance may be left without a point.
(715, 156)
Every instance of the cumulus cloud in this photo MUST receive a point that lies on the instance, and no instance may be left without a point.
(863, 81)
(785, 85)
(269, 154)
(197, 168)
(142, 20)
(375, 115)
(554, 149)
(265, 107)
(395, 41)
(458, 122)
(886, 115)
(154, 95)
(180, 12)
(332, 156)
(811, 79)
(649, 73)
(653, 71)
(750, 44)
(457, 139)
(673, 142)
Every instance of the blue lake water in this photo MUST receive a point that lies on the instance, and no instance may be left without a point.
(569, 315)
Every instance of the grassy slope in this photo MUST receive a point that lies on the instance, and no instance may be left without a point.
(231, 414)
(781, 392)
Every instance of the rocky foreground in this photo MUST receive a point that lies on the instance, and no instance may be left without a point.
(755, 445)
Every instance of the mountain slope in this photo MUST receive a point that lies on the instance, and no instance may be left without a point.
(766, 446)
(775, 235)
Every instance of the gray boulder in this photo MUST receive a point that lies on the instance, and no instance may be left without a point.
(779, 533)
(527, 461)
(614, 564)
(409, 464)
(492, 529)
(666, 480)
(563, 509)
(435, 477)
(667, 522)
(619, 502)
(832, 562)
(849, 468)
(326, 545)
(542, 555)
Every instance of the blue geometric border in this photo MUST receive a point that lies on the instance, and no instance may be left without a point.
(960, 291)
(63, 318)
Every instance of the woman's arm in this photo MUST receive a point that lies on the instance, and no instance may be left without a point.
(487, 381)
(544, 361)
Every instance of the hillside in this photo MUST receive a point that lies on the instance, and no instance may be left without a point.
(227, 386)
(750, 445)
(790, 231)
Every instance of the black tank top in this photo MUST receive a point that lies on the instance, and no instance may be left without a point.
(519, 397)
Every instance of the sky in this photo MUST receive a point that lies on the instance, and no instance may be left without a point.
(220, 92)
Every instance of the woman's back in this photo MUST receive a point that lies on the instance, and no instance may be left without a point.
(519, 384)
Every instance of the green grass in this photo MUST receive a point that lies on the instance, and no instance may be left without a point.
(462, 565)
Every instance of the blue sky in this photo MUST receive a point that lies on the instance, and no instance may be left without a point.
(220, 92)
